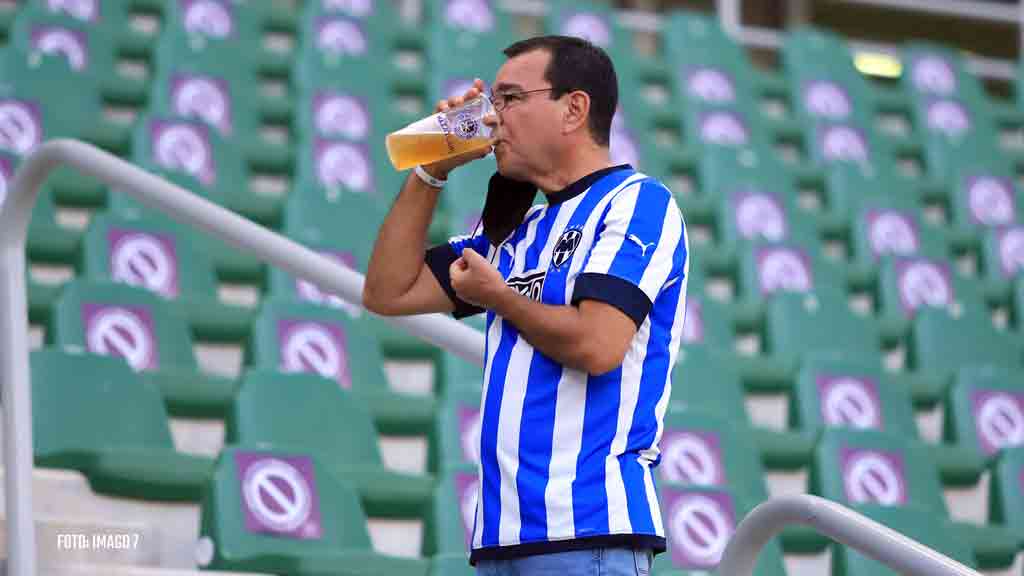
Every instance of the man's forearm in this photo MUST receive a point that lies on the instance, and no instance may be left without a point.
(554, 330)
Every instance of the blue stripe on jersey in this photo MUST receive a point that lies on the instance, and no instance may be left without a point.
(538, 417)
(490, 489)
(645, 226)
(600, 418)
(653, 378)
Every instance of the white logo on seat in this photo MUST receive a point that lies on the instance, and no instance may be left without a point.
(203, 98)
(84, 10)
(701, 529)
(357, 8)
(1000, 421)
(891, 232)
(20, 130)
(590, 27)
(277, 494)
(472, 15)
(711, 85)
(948, 117)
(923, 283)
(759, 215)
(724, 128)
(933, 75)
(342, 115)
(991, 200)
(139, 259)
(783, 269)
(873, 478)
(120, 332)
(824, 99)
(1011, 251)
(848, 403)
(52, 40)
(342, 164)
(341, 37)
(208, 18)
(844, 144)
(184, 147)
(690, 460)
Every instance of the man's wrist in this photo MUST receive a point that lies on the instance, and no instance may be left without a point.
(435, 172)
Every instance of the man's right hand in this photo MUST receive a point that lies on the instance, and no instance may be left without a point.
(442, 168)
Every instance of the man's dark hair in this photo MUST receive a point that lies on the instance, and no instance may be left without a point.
(576, 64)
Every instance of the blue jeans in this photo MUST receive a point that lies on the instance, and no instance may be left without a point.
(596, 562)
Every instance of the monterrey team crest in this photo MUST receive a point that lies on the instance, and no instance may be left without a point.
(566, 246)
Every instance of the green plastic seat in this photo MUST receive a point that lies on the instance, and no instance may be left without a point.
(94, 415)
(381, 21)
(449, 531)
(871, 467)
(708, 322)
(467, 39)
(909, 283)
(1002, 254)
(274, 409)
(1006, 500)
(284, 511)
(699, 521)
(985, 196)
(161, 257)
(892, 225)
(290, 336)
(149, 333)
(455, 441)
(767, 269)
(110, 19)
(985, 410)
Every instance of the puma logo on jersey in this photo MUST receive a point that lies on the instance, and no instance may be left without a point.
(643, 247)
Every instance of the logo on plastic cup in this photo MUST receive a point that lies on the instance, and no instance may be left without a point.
(339, 114)
(923, 282)
(824, 99)
(5, 175)
(693, 325)
(933, 75)
(850, 402)
(782, 269)
(356, 8)
(843, 144)
(343, 165)
(998, 419)
(202, 97)
(692, 458)
(279, 495)
(589, 26)
(1011, 250)
(991, 200)
(20, 127)
(699, 528)
(309, 292)
(948, 117)
(84, 10)
(208, 18)
(184, 147)
(759, 215)
(711, 85)
(472, 15)
(123, 332)
(891, 232)
(724, 128)
(145, 260)
(313, 347)
(467, 490)
(873, 477)
(339, 37)
(58, 41)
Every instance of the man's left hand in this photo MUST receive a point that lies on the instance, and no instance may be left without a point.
(476, 281)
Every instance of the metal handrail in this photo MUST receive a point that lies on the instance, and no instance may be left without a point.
(185, 207)
(843, 525)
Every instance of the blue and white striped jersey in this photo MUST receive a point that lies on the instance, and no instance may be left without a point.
(566, 458)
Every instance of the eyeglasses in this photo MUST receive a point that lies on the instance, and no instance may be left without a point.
(504, 100)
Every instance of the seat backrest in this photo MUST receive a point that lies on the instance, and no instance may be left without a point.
(1006, 503)
(985, 410)
(890, 224)
(1003, 252)
(707, 379)
(940, 343)
(985, 196)
(797, 324)
(909, 283)
(455, 440)
(709, 66)
(449, 529)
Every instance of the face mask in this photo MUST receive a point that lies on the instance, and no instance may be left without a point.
(507, 203)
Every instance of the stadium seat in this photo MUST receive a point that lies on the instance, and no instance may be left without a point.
(1002, 254)
(160, 257)
(908, 283)
(275, 410)
(864, 467)
(767, 269)
(985, 196)
(94, 415)
(302, 337)
(450, 526)
(1006, 500)
(455, 440)
(985, 410)
(285, 512)
(148, 333)
(699, 521)
(892, 225)
(109, 19)
(466, 39)
(708, 322)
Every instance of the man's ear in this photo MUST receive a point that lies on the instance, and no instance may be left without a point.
(577, 110)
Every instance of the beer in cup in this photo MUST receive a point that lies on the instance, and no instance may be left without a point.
(441, 135)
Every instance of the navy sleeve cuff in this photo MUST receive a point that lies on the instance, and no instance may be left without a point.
(622, 294)
(439, 259)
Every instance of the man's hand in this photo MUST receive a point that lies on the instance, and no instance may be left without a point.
(441, 168)
(476, 281)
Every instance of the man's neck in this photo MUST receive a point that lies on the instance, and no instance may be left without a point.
(580, 162)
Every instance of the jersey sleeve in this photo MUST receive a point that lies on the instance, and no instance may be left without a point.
(439, 259)
(640, 247)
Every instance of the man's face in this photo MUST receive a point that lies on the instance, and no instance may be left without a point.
(529, 123)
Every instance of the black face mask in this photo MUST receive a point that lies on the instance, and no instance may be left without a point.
(506, 206)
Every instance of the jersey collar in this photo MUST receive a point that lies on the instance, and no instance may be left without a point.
(580, 186)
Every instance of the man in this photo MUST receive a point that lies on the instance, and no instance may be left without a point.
(585, 300)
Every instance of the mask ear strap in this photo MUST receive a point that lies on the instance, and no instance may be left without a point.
(507, 202)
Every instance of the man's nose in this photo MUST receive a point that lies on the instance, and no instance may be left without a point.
(492, 120)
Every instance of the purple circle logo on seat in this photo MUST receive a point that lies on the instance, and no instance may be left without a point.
(184, 147)
(208, 18)
(1011, 250)
(123, 332)
(873, 477)
(933, 75)
(783, 269)
(314, 347)
(343, 165)
(998, 419)
(849, 402)
(891, 232)
(144, 259)
(589, 26)
(310, 292)
(828, 100)
(470, 15)
(923, 282)
(70, 44)
(759, 215)
(724, 128)
(841, 143)
(700, 525)
(355, 8)
(991, 200)
(340, 37)
(84, 10)
(692, 458)
(711, 85)
(342, 115)
(21, 128)
(948, 117)
(279, 495)
(204, 98)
